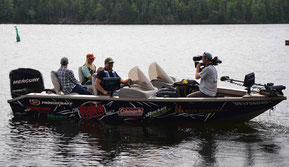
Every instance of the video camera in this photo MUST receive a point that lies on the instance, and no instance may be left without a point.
(215, 61)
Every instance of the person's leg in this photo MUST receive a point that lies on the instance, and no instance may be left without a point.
(197, 94)
(115, 93)
(81, 90)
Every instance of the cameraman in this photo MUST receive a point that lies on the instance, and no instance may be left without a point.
(209, 77)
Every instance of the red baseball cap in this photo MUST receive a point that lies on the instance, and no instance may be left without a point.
(90, 56)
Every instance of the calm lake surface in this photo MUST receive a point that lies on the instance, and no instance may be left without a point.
(264, 141)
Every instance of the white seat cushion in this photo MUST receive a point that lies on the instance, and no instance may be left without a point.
(80, 74)
(55, 82)
(135, 93)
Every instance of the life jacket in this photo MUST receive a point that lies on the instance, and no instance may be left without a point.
(107, 74)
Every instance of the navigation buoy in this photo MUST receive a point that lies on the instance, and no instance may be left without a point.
(17, 35)
(286, 42)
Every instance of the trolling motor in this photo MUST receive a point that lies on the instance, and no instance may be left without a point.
(249, 81)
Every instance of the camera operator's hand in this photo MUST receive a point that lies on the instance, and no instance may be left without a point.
(197, 76)
(198, 66)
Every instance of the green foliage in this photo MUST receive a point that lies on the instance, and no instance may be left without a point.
(144, 11)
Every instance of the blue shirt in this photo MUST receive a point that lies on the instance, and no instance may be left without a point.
(66, 79)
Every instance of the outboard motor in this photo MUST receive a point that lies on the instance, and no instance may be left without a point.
(24, 81)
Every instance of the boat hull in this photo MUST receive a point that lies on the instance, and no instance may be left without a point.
(238, 109)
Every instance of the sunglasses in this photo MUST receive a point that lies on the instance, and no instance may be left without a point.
(91, 59)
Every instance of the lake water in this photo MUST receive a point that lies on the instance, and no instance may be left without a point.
(264, 141)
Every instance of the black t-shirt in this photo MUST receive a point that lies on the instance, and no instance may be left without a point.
(101, 74)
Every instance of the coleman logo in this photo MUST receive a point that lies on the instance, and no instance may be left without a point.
(91, 110)
(25, 81)
(34, 102)
(130, 112)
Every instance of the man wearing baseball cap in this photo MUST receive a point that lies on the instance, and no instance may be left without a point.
(209, 78)
(106, 72)
(67, 80)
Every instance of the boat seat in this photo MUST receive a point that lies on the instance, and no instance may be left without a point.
(94, 90)
(56, 84)
(81, 79)
(80, 74)
(135, 93)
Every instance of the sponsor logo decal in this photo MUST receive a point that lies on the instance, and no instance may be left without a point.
(61, 103)
(130, 112)
(180, 110)
(90, 110)
(34, 102)
(25, 81)
(249, 103)
(158, 112)
(39, 109)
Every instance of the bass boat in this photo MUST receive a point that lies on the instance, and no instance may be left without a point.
(159, 98)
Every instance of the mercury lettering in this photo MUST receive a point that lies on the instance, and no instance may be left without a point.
(26, 81)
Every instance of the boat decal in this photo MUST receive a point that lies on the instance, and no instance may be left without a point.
(179, 109)
(110, 112)
(55, 109)
(250, 103)
(210, 115)
(158, 112)
(193, 115)
(132, 105)
(66, 112)
(140, 103)
(34, 102)
(22, 105)
(25, 81)
(39, 109)
(110, 103)
(146, 104)
(57, 103)
(153, 104)
(91, 109)
(130, 112)
(223, 105)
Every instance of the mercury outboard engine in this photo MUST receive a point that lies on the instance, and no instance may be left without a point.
(24, 81)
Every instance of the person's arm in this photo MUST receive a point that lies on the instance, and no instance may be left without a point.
(71, 77)
(197, 75)
(86, 72)
(99, 87)
(124, 80)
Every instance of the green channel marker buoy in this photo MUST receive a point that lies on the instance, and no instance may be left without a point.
(17, 35)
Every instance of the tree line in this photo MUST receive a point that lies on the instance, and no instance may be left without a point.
(144, 11)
